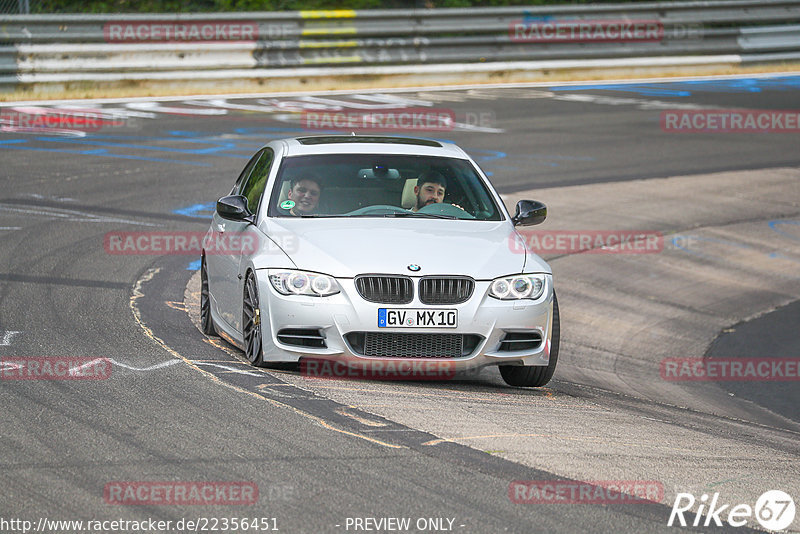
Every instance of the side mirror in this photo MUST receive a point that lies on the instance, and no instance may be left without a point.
(234, 208)
(529, 212)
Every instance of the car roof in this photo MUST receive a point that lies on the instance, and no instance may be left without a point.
(371, 144)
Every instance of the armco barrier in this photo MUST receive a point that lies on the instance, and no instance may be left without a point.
(75, 49)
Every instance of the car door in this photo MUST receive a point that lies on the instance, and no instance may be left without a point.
(239, 233)
(221, 267)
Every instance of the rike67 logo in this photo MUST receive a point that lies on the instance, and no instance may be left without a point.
(774, 510)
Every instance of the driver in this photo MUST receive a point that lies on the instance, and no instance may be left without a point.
(429, 189)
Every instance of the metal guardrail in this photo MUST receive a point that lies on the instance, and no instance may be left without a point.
(82, 48)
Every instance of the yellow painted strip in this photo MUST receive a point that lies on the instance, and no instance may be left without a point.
(341, 59)
(175, 305)
(457, 394)
(218, 343)
(327, 30)
(230, 340)
(328, 44)
(454, 440)
(362, 420)
(137, 294)
(329, 14)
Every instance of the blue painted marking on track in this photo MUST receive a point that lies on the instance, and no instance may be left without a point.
(270, 129)
(214, 144)
(778, 255)
(215, 147)
(200, 211)
(685, 88)
(549, 160)
(687, 239)
(690, 238)
(679, 239)
(558, 157)
(774, 226)
(187, 133)
(163, 160)
(516, 168)
(269, 133)
(491, 155)
(194, 266)
(106, 154)
(101, 141)
(641, 89)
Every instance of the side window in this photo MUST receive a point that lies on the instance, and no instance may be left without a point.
(253, 190)
(237, 188)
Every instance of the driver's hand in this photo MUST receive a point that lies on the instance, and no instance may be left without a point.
(459, 207)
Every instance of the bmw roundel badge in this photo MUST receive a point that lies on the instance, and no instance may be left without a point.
(414, 267)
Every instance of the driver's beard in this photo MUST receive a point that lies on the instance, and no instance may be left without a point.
(421, 204)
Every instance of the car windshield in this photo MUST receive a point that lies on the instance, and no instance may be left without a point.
(374, 185)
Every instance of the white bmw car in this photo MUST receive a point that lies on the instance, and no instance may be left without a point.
(359, 250)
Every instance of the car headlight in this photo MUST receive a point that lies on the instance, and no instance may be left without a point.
(302, 283)
(522, 286)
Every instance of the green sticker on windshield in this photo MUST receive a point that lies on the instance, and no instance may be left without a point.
(287, 204)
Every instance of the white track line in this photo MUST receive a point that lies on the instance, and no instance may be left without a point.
(397, 89)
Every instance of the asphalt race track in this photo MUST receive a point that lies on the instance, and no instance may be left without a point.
(346, 455)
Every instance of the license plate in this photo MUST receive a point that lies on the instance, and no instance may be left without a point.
(417, 318)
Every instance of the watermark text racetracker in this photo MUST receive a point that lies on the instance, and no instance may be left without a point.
(377, 370)
(170, 493)
(553, 31)
(54, 368)
(730, 121)
(421, 119)
(585, 492)
(44, 119)
(587, 241)
(192, 243)
(183, 31)
(536, 30)
(730, 369)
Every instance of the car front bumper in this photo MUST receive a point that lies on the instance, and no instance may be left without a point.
(329, 328)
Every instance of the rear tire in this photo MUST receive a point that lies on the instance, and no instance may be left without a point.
(206, 323)
(536, 375)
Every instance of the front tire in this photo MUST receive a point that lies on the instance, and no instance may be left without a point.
(536, 376)
(206, 323)
(251, 321)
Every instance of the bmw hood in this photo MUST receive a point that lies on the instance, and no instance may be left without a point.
(345, 248)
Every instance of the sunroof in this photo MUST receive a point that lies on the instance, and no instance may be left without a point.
(324, 140)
